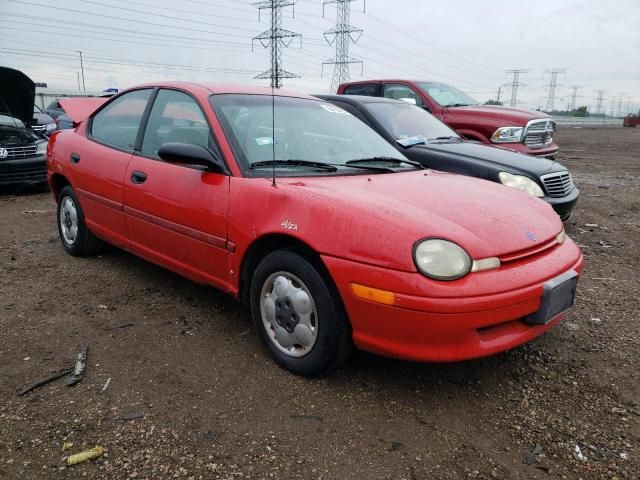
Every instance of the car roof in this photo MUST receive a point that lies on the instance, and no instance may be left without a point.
(359, 99)
(220, 88)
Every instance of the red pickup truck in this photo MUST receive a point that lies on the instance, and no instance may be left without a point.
(524, 131)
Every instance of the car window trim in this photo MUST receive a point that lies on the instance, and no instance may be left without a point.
(104, 105)
(145, 121)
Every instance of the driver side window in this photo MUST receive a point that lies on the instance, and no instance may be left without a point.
(400, 92)
(175, 117)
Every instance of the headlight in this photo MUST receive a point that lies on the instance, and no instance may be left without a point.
(521, 183)
(42, 148)
(507, 135)
(441, 260)
(51, 126)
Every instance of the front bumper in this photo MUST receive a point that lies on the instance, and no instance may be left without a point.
(24, 171)
(478, 315)
(548, 151)
(563, 206)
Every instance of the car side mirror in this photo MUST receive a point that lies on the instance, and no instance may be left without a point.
(189, 154)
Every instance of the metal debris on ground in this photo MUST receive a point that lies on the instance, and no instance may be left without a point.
(85, 456)
(44, 381)
(578, 454)
(132, 416)
(106, 385)
(79, 369)
(531, 456)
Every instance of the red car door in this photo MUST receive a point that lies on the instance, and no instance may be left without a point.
(177, 215)
(99, 162)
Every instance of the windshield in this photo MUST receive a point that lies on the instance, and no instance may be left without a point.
(305, 130)
(402, 120)
(36, 109)
(446, 95)
(6, 120)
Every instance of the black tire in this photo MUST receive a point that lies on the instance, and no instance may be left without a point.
(85, 243)
(333, 343)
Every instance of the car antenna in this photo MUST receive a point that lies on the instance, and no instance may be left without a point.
(273, 135)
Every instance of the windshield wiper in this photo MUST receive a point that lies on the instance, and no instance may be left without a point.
(355, 162)
(294, 163)
(458, 139)
(459, 105)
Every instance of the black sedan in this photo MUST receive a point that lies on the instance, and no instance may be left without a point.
(424, 139)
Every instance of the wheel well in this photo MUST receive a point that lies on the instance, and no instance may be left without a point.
(58, 182)
(262, 247)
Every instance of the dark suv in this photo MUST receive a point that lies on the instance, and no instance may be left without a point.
(22, 151)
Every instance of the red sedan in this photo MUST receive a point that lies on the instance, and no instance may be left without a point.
(328, 233)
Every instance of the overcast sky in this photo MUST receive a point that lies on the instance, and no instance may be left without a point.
(467, 43)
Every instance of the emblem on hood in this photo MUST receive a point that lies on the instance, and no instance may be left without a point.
(531, 235)
(4, 153)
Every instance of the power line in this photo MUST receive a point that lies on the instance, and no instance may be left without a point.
(275, 38)
(553, 84)
(342, 35)
(515, 84)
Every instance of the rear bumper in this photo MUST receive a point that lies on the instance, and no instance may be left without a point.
(463, 326)
(23, 171)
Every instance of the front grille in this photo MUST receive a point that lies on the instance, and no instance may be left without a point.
(39, 128)
(557, 184)
(539, 133)
(14, 153)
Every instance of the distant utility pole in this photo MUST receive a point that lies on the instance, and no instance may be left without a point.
(500, 91)
(84, 88)
(620, 103)
(342, 35)
(574, 95)
(599, 101)
(515, 84)
(553, 84)
(276, 38)
(612, 108)
(78, 76)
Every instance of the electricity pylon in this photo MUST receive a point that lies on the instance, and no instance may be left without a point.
(276, 38)
(342, 35)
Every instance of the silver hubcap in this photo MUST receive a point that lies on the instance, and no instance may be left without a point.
(289, 314)
(68, 220)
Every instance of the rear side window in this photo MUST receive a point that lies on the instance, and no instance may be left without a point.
(368, 89)
(117, 124)
(175, 117)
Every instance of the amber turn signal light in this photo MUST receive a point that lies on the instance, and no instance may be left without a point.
(373, 294)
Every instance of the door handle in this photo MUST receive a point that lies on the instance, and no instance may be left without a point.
(75, 158)
(138, 177)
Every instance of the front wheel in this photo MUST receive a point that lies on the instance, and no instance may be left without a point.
(74, 234)
(298, 314)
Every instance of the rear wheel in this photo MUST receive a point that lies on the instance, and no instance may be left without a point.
(74, 234)
(298, 315)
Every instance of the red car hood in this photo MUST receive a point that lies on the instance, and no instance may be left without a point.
(516, 116)
(378, 218)
(80, 108)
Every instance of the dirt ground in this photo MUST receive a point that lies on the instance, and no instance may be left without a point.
(193, 395)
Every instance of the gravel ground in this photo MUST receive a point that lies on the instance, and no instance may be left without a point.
(194, 396)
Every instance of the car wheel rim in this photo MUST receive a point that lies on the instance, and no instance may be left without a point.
(289, 314)
(68, 220)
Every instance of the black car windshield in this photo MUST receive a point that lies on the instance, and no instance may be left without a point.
(306, 132)
(402, 120)
(6, 120)
(446, 95)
